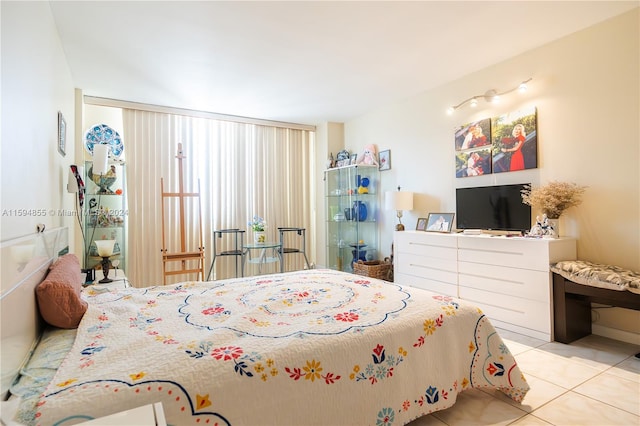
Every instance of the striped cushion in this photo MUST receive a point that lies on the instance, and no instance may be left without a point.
(598, 275)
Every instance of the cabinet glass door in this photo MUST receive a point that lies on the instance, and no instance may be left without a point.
(105, 214)
(352, 215)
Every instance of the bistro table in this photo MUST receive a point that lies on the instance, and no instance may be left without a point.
(263, 258)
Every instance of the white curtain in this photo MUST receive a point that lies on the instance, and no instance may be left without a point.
(242, 169)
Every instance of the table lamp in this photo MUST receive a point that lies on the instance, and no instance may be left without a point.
(399, 201)
(105, 250)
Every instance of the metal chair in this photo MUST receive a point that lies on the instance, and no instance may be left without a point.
(233, 245)
(292, 250)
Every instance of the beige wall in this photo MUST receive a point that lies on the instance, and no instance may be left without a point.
(329, 139)
(586, 89)
(36, 84)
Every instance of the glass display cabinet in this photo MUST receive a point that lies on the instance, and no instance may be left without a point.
(352, 209)
(105, 214)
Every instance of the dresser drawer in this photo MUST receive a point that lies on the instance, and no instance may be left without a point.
(528, 314)
(522, 283)
(517, 253)
(440, 246)
(526, 253)
(421, 266)
(440, 287)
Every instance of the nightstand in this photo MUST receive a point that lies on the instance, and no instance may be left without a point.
(120, 280)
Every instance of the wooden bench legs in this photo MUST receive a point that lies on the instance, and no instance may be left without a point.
(572, 307)
(571, 313)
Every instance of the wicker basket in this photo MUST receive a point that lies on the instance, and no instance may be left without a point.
(373, 269)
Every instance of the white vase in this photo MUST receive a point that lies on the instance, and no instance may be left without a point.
(554, 224)
(259, 237)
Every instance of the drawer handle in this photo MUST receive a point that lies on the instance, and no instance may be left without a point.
(492, 278)
(432, 268)
(510, 253)
(494, 306)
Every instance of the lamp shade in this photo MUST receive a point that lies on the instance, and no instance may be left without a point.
(105, 247)
(399, 200)
(100, 159)
(73, 180)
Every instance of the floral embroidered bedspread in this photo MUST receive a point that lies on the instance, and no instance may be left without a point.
(308, 347)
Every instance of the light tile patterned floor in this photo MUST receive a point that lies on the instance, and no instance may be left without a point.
(593, 381)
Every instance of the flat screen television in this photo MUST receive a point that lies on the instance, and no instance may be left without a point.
(497, 207)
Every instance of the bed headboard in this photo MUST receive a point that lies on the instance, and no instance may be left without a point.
(25, 262)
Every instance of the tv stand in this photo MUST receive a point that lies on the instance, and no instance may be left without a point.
(508, 277)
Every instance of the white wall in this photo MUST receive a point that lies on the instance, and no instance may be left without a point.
(36, 84)
(586, 89)
(112, 117)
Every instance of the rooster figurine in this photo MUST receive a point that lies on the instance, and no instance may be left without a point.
(104, 181)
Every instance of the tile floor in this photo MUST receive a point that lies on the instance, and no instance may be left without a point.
(593, 381)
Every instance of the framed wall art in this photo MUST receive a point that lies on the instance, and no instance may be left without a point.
(62, 134)
(514, 139)
(384, 159)
(476, 162)
(440, 222)
(473, 135)
(473, 148)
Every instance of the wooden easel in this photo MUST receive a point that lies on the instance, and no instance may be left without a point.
(183, 256)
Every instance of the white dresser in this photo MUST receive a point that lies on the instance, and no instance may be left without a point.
(507, 277)
(426, 260)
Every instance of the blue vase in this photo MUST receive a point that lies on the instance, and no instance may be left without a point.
(359, 211)
(358, 255)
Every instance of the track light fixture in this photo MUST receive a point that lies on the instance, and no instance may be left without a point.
(489, 96)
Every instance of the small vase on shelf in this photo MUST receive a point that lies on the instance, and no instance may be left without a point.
(359, 211)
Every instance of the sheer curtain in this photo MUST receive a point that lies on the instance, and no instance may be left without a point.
(243, 170)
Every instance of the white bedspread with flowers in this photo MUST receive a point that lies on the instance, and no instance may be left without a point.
(308, 347)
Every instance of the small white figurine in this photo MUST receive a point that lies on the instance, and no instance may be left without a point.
(547, 227)
(536, 230)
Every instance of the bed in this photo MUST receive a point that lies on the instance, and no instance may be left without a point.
(307, 347)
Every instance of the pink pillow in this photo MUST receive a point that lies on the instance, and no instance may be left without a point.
(58, 295)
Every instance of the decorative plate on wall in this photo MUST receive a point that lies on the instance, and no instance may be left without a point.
(103, 134)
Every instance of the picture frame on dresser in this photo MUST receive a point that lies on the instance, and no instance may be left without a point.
(440, 222)
(422, 224)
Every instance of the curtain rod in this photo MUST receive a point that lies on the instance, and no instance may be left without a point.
(115, 103)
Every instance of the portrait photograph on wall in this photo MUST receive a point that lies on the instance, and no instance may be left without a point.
(473, 162)
(473, 135)
(514, 141)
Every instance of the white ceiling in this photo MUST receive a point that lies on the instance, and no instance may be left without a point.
(300, 62)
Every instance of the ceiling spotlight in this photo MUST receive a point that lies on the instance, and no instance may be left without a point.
(489, 96)
(523, 87)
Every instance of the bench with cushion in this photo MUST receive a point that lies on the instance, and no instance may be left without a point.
(578, 283)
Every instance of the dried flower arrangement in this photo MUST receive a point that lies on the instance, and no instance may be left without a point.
(554, 198)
